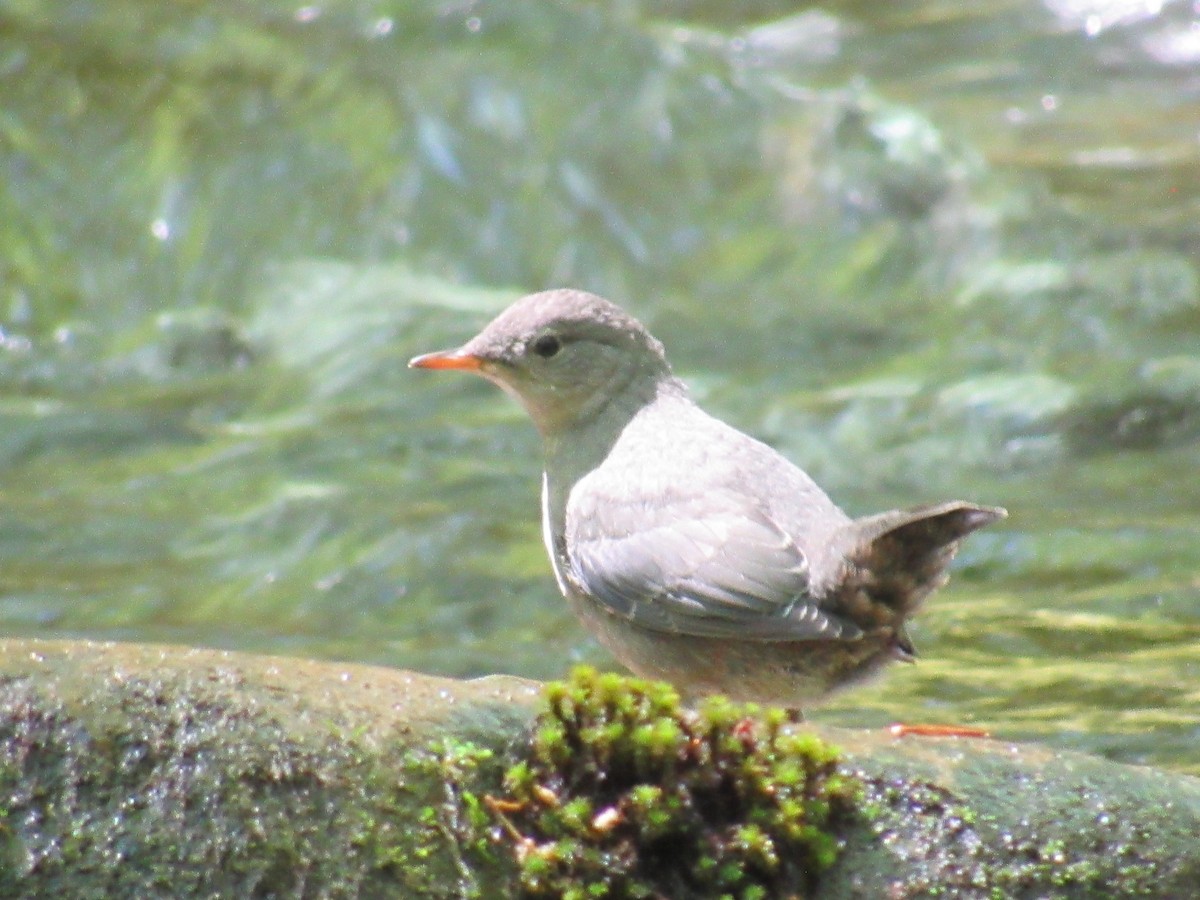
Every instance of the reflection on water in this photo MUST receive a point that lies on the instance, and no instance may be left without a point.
(927, 250)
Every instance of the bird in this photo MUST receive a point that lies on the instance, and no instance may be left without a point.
(695, 553)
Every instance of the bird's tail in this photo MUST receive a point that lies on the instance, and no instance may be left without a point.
(898, 558)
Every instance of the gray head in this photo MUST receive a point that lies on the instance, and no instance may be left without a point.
(565, 355)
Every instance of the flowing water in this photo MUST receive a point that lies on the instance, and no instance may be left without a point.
(928, 250)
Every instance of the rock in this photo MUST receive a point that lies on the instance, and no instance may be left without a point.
(144, 771)
(132, 770)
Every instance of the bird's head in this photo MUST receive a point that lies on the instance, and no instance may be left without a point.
(565, 355)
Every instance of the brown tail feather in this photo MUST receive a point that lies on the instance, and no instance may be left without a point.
(900, 557)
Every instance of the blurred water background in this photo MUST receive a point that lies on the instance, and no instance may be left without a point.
(926, 249)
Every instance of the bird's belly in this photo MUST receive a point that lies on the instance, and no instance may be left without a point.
(780, 673)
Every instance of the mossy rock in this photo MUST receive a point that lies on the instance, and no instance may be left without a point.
(145, 771)
(130, 770)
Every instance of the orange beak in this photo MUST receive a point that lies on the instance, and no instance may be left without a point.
(447, 359)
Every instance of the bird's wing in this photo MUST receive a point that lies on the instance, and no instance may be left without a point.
(706, 565)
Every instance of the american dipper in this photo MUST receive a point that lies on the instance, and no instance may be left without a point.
(693, 552)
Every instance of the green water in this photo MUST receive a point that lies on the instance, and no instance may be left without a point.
(927, 250)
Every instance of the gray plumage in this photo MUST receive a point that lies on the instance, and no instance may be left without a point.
(693, 551)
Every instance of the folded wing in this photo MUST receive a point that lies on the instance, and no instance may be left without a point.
(707, 565)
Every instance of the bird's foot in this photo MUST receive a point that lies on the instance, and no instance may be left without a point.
(899, 729)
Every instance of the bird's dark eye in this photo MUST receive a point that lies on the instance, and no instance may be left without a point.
(547, 346)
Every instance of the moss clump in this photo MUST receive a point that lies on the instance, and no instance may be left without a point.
(626, 794)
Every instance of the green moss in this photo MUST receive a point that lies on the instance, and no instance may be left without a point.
(628, 794)
(453, 774)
